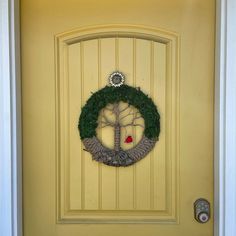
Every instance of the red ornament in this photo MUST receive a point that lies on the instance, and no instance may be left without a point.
(129, 139)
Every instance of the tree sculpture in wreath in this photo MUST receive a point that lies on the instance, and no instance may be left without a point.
(106, 108)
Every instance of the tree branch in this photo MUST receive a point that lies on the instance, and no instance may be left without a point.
(129, 114)
(125, 108)
(136, 116)
(105, 125)
(108, 109)
(107, 120)
(131, 124)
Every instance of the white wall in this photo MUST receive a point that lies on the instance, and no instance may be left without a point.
(10, 121)
(225, 119)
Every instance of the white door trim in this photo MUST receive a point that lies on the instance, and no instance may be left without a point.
(10, 121)
(225, 120)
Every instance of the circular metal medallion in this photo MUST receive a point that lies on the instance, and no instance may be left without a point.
(116, 79)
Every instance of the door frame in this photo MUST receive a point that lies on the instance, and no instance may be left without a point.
(225, 120)
(10, 120)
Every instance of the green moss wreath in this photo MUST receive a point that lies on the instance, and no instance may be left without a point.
(88, 122)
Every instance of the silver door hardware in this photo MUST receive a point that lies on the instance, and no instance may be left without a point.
(202, 210)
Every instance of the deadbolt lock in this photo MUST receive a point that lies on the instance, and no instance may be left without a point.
(202, 210)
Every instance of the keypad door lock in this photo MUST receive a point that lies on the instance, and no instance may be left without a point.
(202, 210)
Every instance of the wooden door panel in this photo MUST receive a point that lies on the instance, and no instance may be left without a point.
(91, 191)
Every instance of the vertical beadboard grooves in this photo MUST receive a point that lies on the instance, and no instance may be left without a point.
(134, 84)
(160, 210)
(82, 102)
(117, 169)
(171, 106)
(57, 132)
(168, 126)
(100, 131)
(152, 153)
(67, 127)
(177, 112)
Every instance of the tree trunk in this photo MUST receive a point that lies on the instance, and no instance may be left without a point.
(117, 137)
(117, 127)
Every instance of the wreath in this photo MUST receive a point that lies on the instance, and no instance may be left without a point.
(109, 99)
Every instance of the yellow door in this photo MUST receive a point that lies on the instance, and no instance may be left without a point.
(69, 49)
